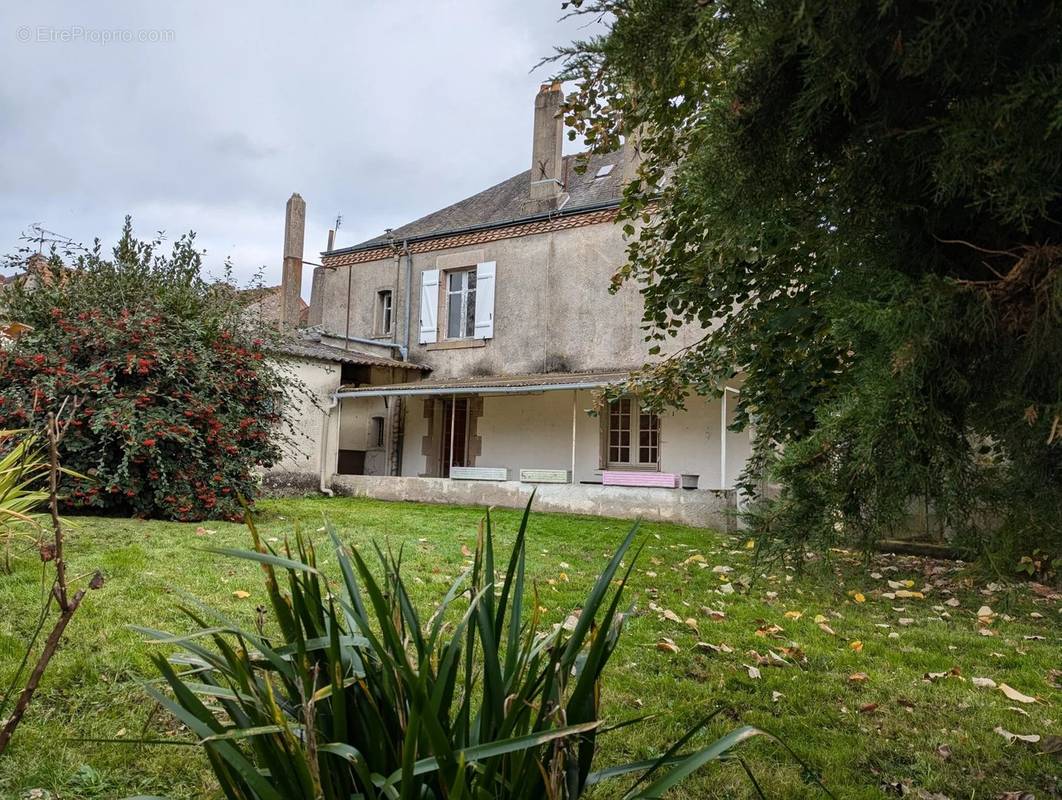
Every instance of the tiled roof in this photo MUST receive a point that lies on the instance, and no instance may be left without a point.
(510, 201)
(303, 345)
(468, 238)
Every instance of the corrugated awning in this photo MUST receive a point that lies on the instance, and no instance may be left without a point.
(490, 384)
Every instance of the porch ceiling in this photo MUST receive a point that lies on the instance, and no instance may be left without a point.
(490, 384)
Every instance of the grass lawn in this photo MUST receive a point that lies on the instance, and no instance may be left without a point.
(893, 728)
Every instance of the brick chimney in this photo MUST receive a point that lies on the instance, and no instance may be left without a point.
(547, 165)
(291, 280)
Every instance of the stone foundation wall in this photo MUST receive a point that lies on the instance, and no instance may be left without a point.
(703, 508)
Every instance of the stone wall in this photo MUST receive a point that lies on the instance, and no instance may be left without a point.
(698, 507)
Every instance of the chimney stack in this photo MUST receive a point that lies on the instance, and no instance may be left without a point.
(547, 163)
(291, 281)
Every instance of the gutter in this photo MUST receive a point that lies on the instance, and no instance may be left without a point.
(477, 390)
(485, 226)
(403, 350)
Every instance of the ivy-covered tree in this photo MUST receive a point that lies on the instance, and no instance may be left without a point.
(868, 195)
(177, 403)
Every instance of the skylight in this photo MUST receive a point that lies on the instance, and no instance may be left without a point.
(603, 171)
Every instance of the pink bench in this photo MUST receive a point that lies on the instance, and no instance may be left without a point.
(664, 480)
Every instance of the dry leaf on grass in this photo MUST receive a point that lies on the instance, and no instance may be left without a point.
(753, 672)
(240, 594)
(983, 683)
(856, 645)
(793, 614)
(1015, 695)
(665, 645)
(1031, 738)
(858, 677)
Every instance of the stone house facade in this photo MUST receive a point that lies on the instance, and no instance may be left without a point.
(493, 330)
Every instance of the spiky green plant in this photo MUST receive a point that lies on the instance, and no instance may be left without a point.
(22, 466)
(361, 698)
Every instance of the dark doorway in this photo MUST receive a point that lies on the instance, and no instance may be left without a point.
(455, 429)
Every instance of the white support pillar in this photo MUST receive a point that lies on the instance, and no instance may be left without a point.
(453, 421)
(575, 404)
(722, 440)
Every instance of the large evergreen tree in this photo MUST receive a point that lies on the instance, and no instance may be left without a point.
(869, 196)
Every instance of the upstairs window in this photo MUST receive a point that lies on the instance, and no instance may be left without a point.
(384, 299)
(461, 304)
(632, 436)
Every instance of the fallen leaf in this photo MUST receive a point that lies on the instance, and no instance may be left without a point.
(1031, 738)
(793, 614)
(672, 616)
(465, 551)
(933, 677)
(690, 623)
(952, 601)
(696, 558)
(986, 612)
(665, 645)
(856, 645)
(819, 619)
(708, 647)
(944, 752)
(983, 683)
(776, 696)
(754, 673)
(905, 594)
(722, 569)
(1052, 745)
(905, 621)
(859, 597)
(1015, 695)
(240, 594)
(868, 708)
(826, 629)
(858, 677)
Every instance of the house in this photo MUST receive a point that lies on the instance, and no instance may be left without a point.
(494, 331)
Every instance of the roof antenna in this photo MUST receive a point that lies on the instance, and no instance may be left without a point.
(332, 233)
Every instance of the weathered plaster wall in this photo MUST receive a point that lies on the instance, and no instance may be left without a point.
(301, 460)
(553, 311)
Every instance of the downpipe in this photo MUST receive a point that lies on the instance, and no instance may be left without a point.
(326, 418)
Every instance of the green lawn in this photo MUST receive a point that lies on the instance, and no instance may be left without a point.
(861, 736)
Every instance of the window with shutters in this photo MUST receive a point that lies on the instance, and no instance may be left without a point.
(460, 288)
(631, 436)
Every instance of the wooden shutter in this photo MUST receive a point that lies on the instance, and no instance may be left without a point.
(429, 306)
(484, 300)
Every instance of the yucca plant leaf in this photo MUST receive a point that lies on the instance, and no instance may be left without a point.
(695, 761)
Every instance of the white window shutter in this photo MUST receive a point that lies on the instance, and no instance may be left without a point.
(429, 306)
(484, 300)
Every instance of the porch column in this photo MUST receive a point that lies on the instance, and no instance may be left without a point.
(575, 403)
(453, 423)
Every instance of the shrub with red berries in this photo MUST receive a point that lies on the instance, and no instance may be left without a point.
(177, 402)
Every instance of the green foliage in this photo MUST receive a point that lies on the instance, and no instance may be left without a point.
(867, 196)
(177, 401)
(21, 469)
(360, 697)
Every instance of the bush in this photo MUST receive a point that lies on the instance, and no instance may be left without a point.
(358, 697)
(177, 401)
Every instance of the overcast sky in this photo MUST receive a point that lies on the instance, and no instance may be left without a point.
(211, 114)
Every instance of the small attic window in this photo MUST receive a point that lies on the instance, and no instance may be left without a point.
(603, 171)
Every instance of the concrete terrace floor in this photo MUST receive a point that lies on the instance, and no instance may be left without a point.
(871, 688)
